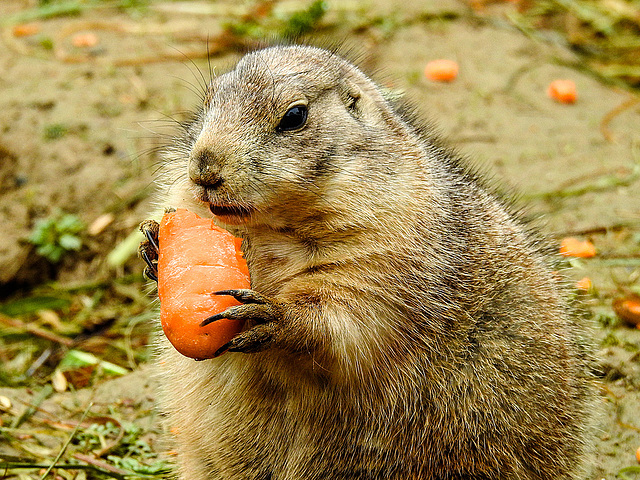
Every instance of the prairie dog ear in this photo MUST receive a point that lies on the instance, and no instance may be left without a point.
(364, 102)
(351, 96)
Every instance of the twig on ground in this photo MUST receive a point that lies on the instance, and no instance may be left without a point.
(622, 473)
(99, 464)
(46, 391)
(596, 229)
(606, 120)
(66, 444)
(37, 331)
(605, 182)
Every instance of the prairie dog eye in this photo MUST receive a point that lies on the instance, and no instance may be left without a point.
(294, 119)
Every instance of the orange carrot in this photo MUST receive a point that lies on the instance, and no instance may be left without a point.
(638, 454)
(584, 284)
(628, 309)
(441, 70)
(85, 40)
(572, 247)
(26, 29)
(563, 91)
(196, 259)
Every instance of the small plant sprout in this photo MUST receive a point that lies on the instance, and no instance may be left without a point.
(56, 235)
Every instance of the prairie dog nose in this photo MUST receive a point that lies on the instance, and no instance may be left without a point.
(204, 169)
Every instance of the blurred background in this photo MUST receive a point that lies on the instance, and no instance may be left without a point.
(91, 90)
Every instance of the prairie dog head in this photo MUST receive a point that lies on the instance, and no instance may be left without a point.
(292, 133)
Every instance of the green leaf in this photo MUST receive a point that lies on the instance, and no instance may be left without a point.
(55, 235)
(70, 242)
(33, 304)
(46, 249)
(69, 223)
(305, 21)
(51, 252)
(42, 232)
(125, 249)
(55, 131)
(78, 358)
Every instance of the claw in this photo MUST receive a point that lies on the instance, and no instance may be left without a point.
(263, 315)
(152, 240)
(232, 313)
(222, 349)
(243, 295)
(211, 319)
(149, 273)
(254, 340)
(148, 248)
(148, 261)
(226, 292)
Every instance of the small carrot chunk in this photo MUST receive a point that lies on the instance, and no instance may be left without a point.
(85, 40)
(441, 70)
(563, 91)
(196, 259)
(628, 309)
(26, 29)
(572, 247)
(584, 284)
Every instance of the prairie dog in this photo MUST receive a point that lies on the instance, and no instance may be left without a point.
(401, 322)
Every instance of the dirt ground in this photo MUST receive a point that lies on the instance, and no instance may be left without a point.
(79, 127)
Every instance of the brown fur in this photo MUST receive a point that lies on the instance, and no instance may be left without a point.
(416, 329)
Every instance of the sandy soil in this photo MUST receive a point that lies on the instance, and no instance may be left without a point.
(496, 112)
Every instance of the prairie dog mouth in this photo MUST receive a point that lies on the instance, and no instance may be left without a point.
(233, 214)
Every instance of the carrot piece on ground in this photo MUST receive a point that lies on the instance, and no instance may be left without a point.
(572, 247)
(584, 284)
(563, 91)
(441, 70)
(196, 259)
(628, 309)
(85, 40)
(26, 29)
